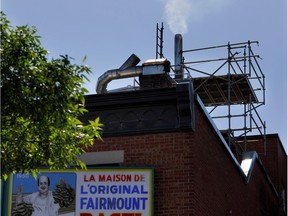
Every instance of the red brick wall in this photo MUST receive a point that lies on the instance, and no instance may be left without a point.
(274, 159)
(194, 173)
(221, 188)
(170, 155)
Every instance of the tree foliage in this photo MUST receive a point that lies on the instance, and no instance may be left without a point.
(41, 102)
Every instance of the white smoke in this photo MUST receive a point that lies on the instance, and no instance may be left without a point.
(179, 13)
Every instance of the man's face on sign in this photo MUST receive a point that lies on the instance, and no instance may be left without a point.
(43, 186)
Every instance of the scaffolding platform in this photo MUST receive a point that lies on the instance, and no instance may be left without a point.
(214, 90)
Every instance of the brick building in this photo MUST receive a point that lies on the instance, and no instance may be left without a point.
(198, 169)
(196, 173)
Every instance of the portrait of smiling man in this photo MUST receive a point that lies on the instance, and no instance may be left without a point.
(42, 201)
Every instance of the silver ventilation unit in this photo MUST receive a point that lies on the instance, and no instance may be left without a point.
(153, 73)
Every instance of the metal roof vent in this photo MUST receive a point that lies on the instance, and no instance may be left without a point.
(156, 66)
(155, 74)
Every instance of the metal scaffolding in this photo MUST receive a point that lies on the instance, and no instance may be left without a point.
(232, 89)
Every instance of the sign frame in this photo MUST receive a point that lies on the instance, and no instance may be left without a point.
(99, 191)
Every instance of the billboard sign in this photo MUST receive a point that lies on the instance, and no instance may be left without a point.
(94, 192)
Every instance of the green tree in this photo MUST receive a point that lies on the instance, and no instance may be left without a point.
(41, 102)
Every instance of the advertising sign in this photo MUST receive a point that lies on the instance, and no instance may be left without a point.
(93, 192)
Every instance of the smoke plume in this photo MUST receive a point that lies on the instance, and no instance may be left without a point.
(179, 13)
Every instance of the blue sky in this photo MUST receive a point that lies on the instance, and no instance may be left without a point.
(109, 31)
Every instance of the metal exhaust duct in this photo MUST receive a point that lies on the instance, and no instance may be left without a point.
(132, 61)
(127, 70)
(179, 74)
